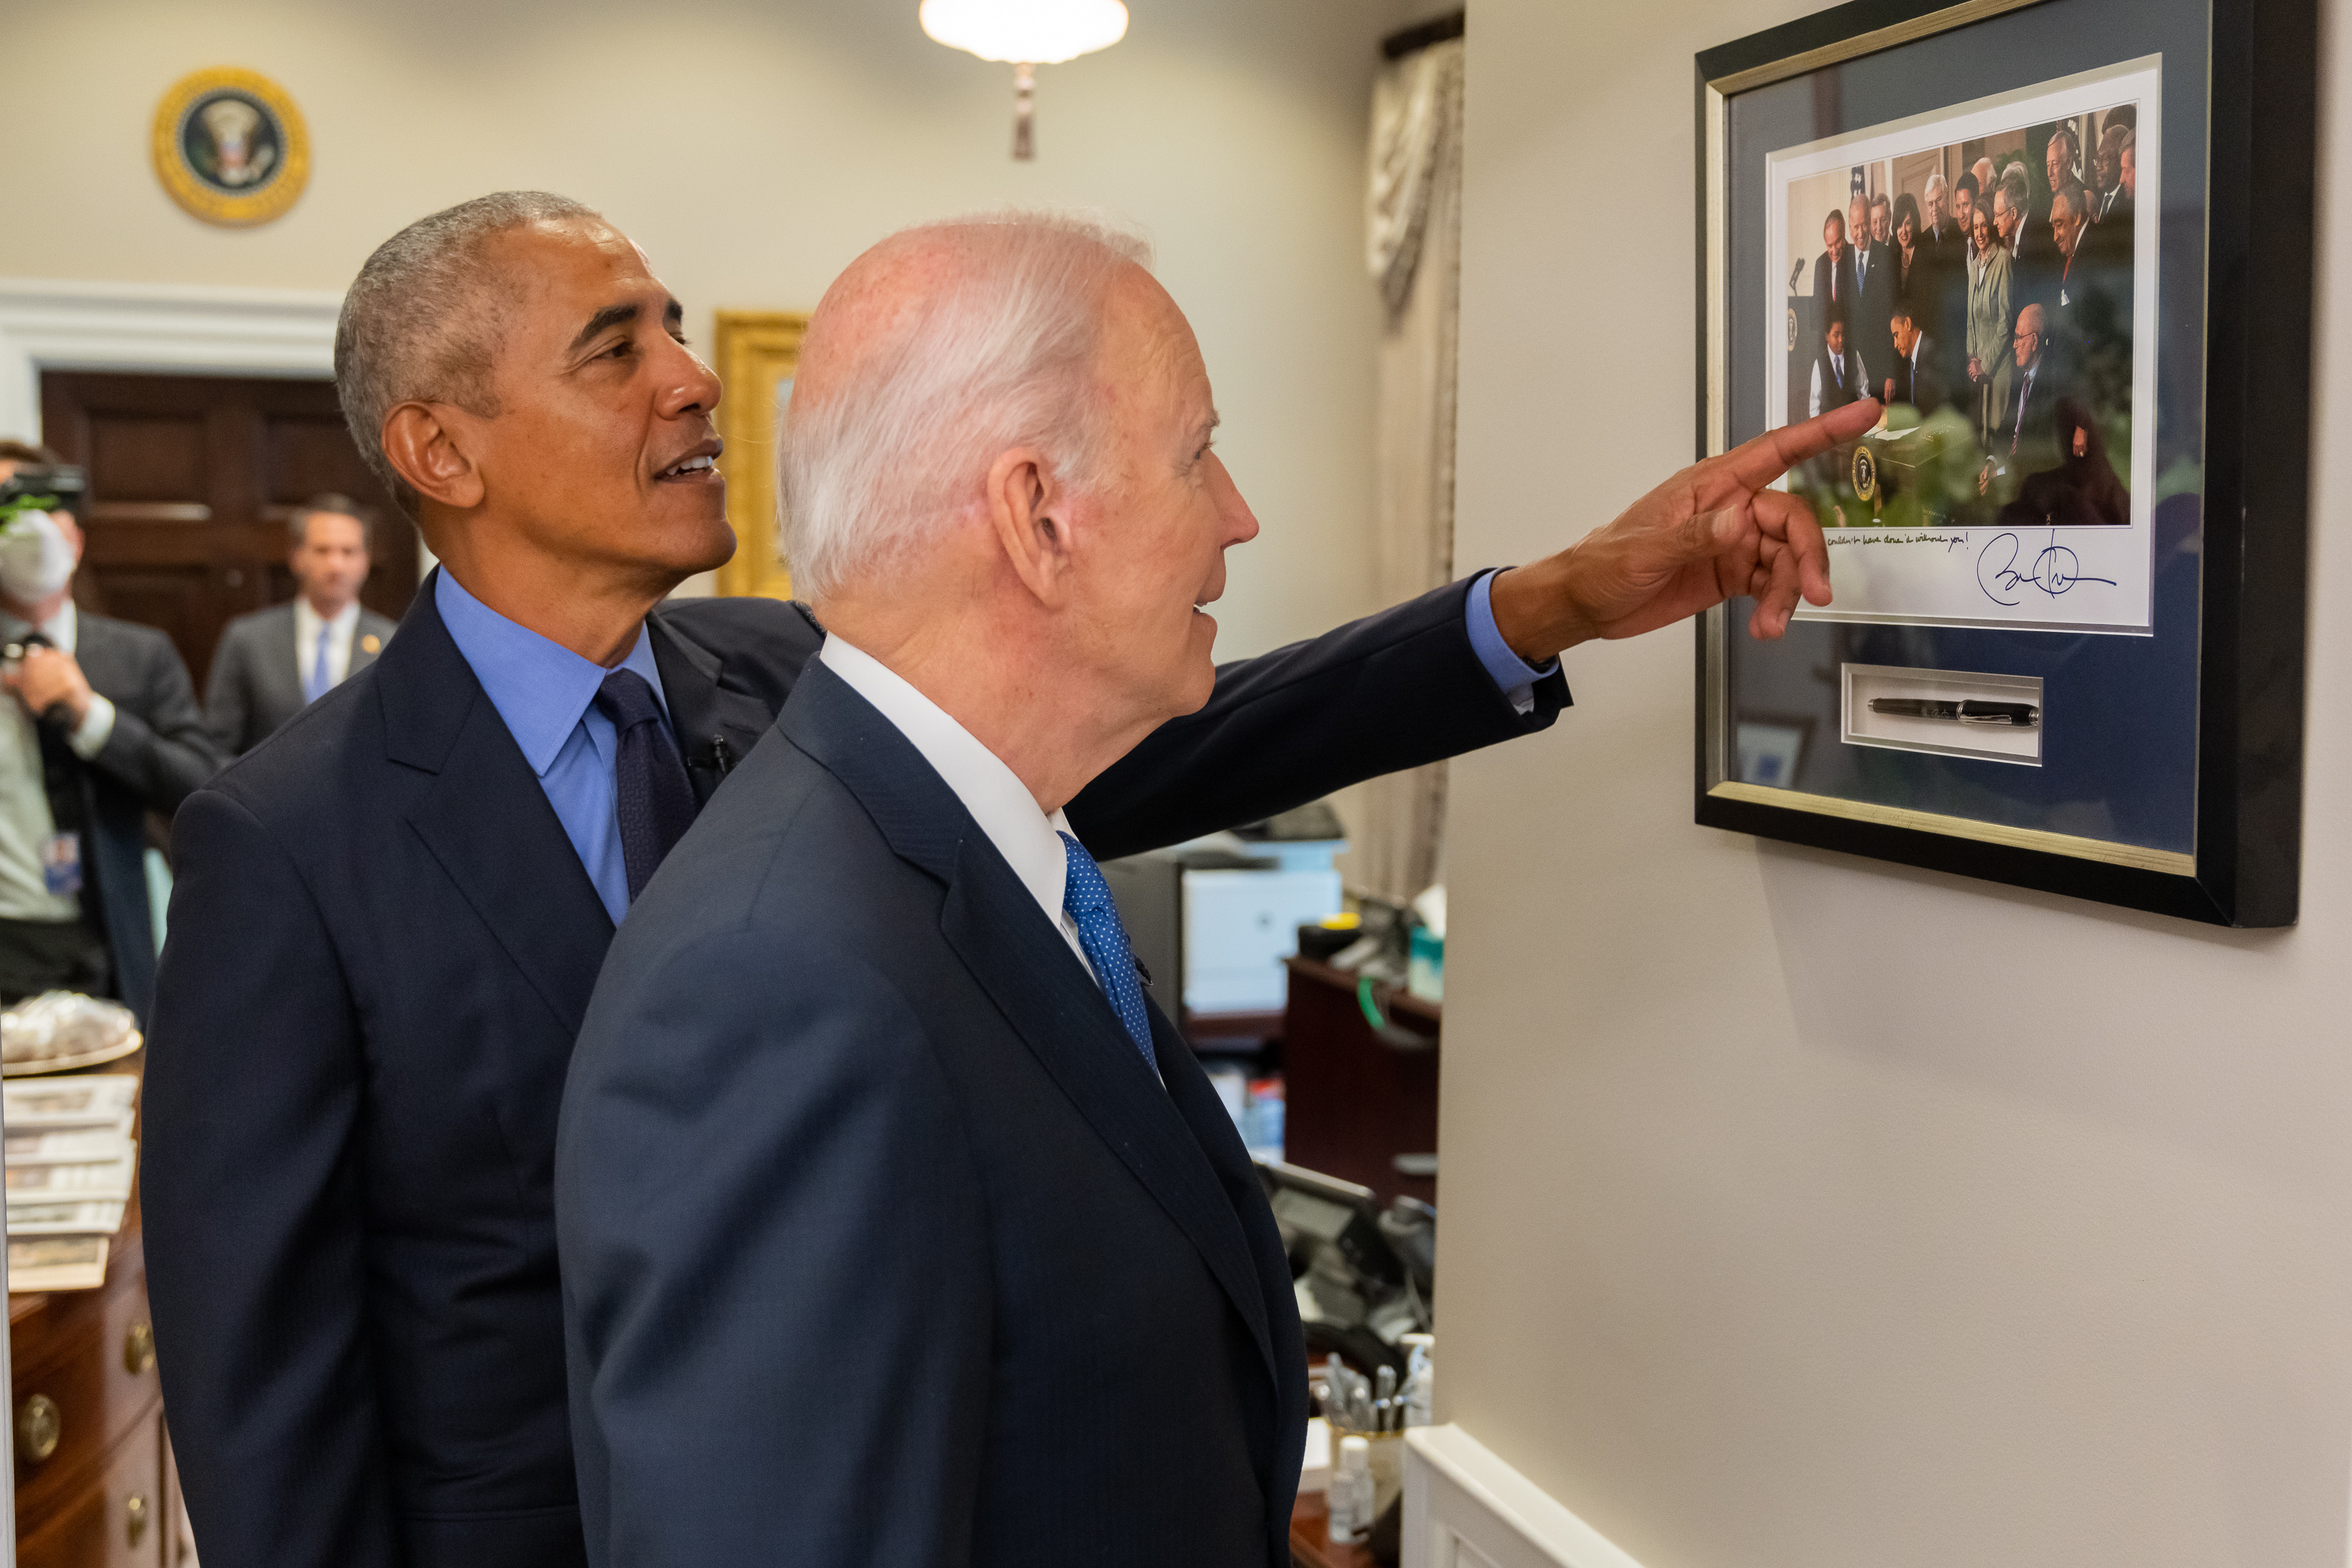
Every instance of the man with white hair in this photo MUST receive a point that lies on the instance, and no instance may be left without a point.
(388, 919)
(937, 1247)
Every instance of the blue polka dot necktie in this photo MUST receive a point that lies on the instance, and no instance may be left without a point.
(1087, 898)
(652, 799)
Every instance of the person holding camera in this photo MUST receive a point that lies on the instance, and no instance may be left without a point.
(99, 726)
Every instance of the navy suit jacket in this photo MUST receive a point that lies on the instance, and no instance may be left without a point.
(382, 947)
(881, 1244)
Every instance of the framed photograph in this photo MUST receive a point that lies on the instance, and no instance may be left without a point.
(2067, 246)
(757, 353)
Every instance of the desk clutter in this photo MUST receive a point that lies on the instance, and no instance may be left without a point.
(70, 1164)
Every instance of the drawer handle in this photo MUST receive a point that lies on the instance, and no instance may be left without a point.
(134, 1518)
(40, 1425)
(138, 1349)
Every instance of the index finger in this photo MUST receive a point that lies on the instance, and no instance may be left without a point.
(1759, 462)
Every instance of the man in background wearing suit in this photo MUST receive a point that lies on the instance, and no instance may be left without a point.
(1833, 277)
(1916, 379)
(2023, 442)
(98, 726)
(388, 919)
(1938, 232)
(1874, 290)
(272, 662)
(2113, 201)
(935, 1248)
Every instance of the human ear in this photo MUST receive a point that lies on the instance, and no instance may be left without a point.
(1028, 511)
(429, 454)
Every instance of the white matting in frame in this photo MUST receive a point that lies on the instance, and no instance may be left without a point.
(2001, 577)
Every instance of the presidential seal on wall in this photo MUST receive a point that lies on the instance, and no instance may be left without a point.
(231, 147)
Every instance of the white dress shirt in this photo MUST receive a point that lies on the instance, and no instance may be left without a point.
(339, 632)
(25, 825)
(1029, 840)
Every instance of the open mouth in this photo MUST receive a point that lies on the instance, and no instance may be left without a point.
(702, 463)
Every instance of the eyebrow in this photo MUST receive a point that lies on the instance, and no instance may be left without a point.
(620, 316)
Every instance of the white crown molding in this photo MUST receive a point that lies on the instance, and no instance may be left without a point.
(1464, 1507)
(174, 328)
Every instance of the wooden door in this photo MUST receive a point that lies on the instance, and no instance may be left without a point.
(192, 481)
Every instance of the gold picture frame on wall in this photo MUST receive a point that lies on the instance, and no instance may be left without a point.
(757, 352)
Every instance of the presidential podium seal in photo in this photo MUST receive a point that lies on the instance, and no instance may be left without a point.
(230, 147)
(2066, 246)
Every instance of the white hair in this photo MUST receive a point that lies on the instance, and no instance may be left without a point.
(1935, 183)
(1003, 355)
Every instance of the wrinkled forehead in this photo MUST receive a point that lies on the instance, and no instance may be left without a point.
(547, 279)
(1149, 352)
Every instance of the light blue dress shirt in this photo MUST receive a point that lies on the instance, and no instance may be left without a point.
(546, 695)
(1513, 675)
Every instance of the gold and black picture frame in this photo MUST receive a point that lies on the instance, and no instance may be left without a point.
(2065, 650)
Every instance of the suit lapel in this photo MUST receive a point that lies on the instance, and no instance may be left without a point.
(362, 655)
(281, 662)
(702, 709)
(1017, 956)
(485, 820)
(1068, 1025)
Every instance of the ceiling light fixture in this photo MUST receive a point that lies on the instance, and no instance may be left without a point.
(1026, 34)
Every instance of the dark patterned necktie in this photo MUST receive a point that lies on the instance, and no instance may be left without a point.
(1087, 896)
(651, 796)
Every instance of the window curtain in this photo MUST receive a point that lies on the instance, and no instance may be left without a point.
(1413, 247)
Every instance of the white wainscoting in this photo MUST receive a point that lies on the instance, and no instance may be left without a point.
(172, 329)
(1464, 1507)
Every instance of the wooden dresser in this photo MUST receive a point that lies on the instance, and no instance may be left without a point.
(95, 1483)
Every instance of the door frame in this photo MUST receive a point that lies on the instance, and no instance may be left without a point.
(159, 329)
(173, 328)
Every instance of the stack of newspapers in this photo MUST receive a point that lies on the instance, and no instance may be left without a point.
(70, 1161)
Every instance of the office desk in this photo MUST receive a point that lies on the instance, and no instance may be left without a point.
(103, 1492)
(1354, 1103)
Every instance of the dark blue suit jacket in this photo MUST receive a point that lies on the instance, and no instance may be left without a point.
(881, 1244)
(382, 947)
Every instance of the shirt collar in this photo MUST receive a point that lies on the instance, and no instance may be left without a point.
(1029, 840)
(541, 687)
(307, 619)
(64, 629)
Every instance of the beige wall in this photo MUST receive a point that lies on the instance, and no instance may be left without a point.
(754, 146)
(1769, 1243)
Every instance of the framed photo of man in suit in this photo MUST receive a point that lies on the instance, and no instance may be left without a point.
(2090, 480)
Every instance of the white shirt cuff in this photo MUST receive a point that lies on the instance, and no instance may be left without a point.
(97, 727)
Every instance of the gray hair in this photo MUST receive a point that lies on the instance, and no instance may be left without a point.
(422, 320)
(1001, 356)
(298, 526)
(1935, 183)
(2016, 188)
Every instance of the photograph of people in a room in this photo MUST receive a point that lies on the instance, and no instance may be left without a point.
(1982, 287)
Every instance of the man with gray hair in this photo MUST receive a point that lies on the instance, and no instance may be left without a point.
(388, 919)
(938, 1248)
(271, 663)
